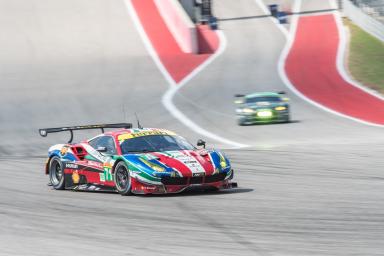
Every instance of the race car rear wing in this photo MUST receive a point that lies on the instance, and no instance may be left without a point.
(243, 95)
(44, 131)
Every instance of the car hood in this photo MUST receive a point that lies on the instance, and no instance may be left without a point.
(186, 163)
(263, 105)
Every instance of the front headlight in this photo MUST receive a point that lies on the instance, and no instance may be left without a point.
(175, 174)
(248, 110)
(264, 114)
(153, 166)
(280, 108)
(223, 161)
(158, 168)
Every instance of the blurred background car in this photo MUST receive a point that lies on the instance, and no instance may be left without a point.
(262, 107)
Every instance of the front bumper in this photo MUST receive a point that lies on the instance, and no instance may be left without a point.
(177, 185)
(253, 118)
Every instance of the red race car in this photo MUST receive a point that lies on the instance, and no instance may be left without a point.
(139, 161)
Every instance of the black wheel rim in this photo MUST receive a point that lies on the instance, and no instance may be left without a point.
(56, 173)
(122, 178)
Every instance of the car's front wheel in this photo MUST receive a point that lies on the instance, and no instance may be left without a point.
(122, 179)
(240, 122)
(56, 173)
(288, 120)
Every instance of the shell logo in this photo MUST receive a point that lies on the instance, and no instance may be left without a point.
(107, 165)
(75, 177)
(63, 151)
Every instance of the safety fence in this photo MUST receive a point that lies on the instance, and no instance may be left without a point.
(364, 15)
(374, 8)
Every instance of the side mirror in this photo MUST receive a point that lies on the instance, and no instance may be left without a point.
(102, 149)
(200, 143)
(239, 98)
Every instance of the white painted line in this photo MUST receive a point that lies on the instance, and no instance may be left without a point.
(147, 43)
(167, 98)
(284, 54)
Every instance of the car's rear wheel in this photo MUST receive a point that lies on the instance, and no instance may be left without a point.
(122, 179)
(56, 173)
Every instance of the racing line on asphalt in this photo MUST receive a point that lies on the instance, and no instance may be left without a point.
(177, 67)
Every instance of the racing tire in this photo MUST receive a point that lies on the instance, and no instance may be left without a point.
(56, 173)
(212, 189)
(288, 120)
(232, 174)
(122, 179)
(240, 123)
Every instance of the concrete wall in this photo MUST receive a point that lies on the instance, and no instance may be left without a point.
(189, 7)
(363, 20)
(180, 24)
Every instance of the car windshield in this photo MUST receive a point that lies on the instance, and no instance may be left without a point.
(154, 143)
(263, 99)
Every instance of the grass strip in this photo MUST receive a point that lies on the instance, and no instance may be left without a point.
(366, 57)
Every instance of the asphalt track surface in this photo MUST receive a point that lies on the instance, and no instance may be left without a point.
(310, 187)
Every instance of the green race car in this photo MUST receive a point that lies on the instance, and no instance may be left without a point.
(262, 107)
